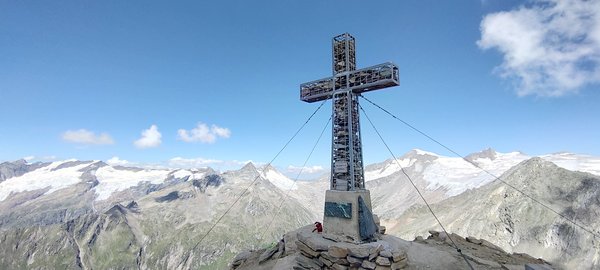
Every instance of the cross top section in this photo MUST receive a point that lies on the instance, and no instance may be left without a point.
(344, 53)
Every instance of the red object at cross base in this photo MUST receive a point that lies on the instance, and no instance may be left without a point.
(318, 227)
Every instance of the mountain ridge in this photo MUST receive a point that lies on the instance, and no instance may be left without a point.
(180, 205)
(496, 211)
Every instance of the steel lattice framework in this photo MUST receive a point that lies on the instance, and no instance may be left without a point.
(344, 87)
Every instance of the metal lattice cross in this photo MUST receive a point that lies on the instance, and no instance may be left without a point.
(344, 87)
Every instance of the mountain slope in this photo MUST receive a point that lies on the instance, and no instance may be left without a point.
(515, 223)
(144, 224)
(437, 177)
(76, 214)
(17, 168)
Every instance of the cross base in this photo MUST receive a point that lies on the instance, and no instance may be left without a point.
(349, 214)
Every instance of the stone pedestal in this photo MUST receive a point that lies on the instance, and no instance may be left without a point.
(349, 214)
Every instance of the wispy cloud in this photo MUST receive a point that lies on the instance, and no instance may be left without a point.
(203, 133)
(83, 136)
(151, 137)
(550, 47)
(199, 162)
(305, 170)
(179, 162)
(116, 161)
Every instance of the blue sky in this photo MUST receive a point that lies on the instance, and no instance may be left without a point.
(217, 82)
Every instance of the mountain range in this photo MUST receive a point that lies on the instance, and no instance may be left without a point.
(91, 215)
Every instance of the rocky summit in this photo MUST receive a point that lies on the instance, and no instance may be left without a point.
(304, 249)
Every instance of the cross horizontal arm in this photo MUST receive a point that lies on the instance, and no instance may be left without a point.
(358, 81)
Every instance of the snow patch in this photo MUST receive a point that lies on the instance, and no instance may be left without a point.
(423, 153)
(390, 168)
(112, 180)
(457, 175)
(279, 180)
(192, 174)
(43, 178)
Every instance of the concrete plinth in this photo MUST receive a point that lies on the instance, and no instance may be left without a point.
(342, 213)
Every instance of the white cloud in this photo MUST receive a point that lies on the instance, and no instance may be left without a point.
(550, 47)
(306, 170)
(202, 133)
(179, 162)
(83, 136)
(49, 158)
(150, 138)
(116, 161)
(29, 158)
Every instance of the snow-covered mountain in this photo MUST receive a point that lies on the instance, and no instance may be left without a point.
(107, 179)
(90, 215)
(152, 209)
(455, 174)
(439, 177)
(278, 179)
(447, 176)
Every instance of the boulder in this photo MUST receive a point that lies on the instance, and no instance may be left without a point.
(473, 240)
(359, 251)
(398, 255)
(308, 263)
(375, 252)
(267, 254)
(368, 265)
(400, 265)
(339, 267)
(342, 261)
(383, 261)
(325, 261)
(490, 245)
(240, 258)
(307, 251)
(354, 262)
(314, 241)
(338, 252)
(386, 253)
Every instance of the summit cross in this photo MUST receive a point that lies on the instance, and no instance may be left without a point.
(347, 182)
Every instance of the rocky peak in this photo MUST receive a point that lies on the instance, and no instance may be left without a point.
(116, 211)
(416, 153)
(489, 153)
(20, 162)
(249, 167)
(94, 166)
(248, 172)
(303, 249)
(536, 165)
(70, 163)
(17, 168)
(214, 180)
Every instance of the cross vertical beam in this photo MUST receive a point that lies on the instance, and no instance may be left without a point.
(346, 149)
